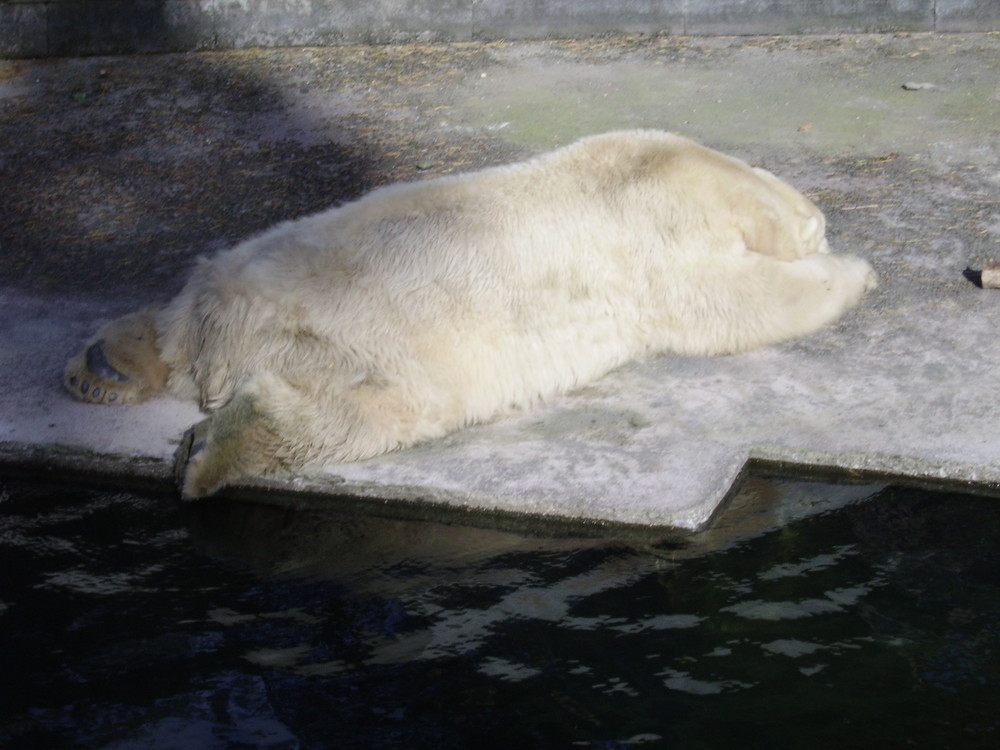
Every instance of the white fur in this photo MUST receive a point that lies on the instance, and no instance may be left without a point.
(428, 306)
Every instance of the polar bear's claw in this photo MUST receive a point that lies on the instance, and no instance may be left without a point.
(193, 443)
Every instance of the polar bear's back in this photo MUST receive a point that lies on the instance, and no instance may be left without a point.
(516, 280)
(594, 214)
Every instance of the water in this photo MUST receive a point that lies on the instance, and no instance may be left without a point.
(127, 621)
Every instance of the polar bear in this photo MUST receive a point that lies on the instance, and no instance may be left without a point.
(428, 306)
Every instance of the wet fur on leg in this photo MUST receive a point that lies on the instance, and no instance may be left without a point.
(237, 441)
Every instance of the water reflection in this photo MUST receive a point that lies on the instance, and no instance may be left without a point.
(126, 622)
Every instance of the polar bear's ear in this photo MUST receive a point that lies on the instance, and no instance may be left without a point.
(765, 233)
(785, 235)
(813, 231)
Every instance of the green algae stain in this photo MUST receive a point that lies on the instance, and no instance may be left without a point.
(754, 98)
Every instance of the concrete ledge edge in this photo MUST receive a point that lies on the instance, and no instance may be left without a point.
(315, 492)
(883, 467)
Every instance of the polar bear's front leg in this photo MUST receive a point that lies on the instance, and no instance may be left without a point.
(238, 440)
(121, 364)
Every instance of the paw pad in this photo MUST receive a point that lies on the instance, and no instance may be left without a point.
(97, 364)
(99, 378)
(120, 365)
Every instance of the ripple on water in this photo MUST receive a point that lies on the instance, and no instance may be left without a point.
(127, 622)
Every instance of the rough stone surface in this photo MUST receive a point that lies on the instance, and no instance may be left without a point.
(118, 171)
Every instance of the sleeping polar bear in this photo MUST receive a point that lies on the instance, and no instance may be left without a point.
(425, 307)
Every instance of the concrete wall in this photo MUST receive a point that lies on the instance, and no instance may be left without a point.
(35, 28)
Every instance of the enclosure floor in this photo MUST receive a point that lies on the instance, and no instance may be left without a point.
(119, 171)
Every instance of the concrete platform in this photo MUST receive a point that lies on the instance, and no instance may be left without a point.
(116, 172)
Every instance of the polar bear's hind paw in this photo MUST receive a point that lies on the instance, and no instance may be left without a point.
(90, 377)
(120, 365)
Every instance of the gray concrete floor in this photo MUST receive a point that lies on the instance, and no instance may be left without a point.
(116, 172)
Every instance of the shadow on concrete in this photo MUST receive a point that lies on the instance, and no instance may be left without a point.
(117, 172)
(79, 27)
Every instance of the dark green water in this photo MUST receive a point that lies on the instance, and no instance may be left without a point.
(129, 622)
